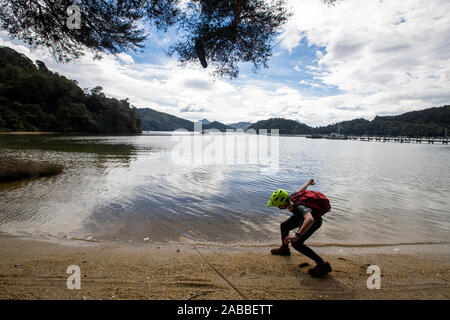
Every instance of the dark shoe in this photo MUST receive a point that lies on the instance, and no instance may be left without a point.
(320, 270)
(281, 251)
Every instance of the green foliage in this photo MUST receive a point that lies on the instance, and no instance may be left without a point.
(160, 121)
(429, 122)
(345, 127)
(233, 31)
(284, 126)
(105, 26)
(35, 99)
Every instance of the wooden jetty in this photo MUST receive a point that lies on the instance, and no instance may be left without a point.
(429, 140)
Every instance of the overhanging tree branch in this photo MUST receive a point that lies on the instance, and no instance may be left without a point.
(233, 31)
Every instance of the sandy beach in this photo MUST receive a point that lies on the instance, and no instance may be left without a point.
(32, 269)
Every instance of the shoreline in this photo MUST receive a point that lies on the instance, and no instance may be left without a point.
(422, 247)
(28, 132)
(36, 269)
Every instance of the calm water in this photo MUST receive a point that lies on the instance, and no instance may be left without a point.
(128, 188)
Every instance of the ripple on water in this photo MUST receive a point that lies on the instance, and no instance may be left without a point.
(128, 188)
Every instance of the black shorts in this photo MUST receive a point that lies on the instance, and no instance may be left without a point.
(303, 210)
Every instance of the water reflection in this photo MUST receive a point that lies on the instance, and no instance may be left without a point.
(127, 188)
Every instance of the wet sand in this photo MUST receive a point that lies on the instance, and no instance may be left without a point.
(31, 269)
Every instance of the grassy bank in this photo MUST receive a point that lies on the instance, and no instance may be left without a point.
(15, 169)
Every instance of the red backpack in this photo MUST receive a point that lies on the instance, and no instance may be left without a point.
(313, 199)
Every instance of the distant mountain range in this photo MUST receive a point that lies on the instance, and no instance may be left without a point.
(159, 121)
(427, 122)
(32, 98)
(240, 125)
(217, 125)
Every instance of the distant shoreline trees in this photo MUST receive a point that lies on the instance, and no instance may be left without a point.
(431, 122)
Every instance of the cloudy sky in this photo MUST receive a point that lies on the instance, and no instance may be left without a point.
(330, 63)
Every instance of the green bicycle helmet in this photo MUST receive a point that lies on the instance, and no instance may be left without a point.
(279, 198)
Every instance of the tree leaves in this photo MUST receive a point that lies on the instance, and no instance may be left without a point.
(232, 31)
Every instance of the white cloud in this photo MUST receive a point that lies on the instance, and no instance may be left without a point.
(389, 55)
(166, 87)
(319, 54)
(309, 83)
(125, 58)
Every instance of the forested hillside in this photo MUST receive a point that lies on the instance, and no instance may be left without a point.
(428, 122)
(32, 98)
